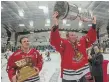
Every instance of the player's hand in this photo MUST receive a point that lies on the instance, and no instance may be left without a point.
(55, 14)
(14, 78)
(37, 69)
(94, 20)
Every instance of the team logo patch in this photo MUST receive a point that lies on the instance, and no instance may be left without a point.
(78, 57)
(23, 62)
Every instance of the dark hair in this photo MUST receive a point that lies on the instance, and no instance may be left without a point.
(67, 34)
(22, 38)
(92, 51)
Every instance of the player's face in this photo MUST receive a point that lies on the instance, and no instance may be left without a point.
(72, 37)
(25, 43)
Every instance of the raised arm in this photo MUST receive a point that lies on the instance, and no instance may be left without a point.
(55, 39)
(90, 37)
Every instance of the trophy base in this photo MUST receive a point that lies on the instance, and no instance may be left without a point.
(25, 73)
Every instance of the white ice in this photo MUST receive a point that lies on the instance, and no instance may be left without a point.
(50, 71)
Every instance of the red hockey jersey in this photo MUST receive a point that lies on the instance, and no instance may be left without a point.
(19, 55)
(70, 65)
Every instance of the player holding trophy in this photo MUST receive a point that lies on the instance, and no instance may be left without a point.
(25, 64)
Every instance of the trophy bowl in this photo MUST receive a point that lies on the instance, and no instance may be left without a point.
(66, 11)
(71, 12)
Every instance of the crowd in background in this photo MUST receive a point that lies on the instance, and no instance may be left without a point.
(42, 48)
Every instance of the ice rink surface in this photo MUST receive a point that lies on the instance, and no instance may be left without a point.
(50, 71)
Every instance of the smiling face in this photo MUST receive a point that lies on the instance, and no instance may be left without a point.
(25, 43)
(71, 36)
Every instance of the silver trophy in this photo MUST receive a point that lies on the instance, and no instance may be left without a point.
(71, 12)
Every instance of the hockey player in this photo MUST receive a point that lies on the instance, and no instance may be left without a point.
(74, 59)
(48, 55)
(24, 57)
